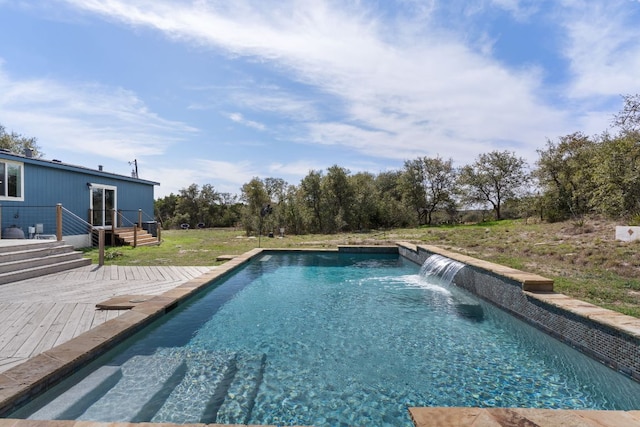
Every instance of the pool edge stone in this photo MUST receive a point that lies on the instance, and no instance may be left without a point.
(612, 338)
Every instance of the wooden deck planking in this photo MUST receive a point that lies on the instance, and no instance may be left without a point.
(21, 319)
(7, 313)
(10, 362)
(53, 333)
(30, 337)
(72, 327)
(38, 314)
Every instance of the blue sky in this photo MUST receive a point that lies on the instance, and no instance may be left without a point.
(217, 92)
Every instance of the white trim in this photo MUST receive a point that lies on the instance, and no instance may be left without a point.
(21, 166)
(93, 186)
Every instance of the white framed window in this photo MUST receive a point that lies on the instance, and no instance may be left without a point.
(11, 180)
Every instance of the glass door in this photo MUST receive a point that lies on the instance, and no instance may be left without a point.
(103, 203)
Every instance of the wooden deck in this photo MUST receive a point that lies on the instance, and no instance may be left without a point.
(38, 314)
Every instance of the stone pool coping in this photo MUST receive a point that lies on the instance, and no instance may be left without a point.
(20, 383)
(541, 289)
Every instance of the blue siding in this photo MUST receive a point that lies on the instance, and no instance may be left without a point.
(48, 183)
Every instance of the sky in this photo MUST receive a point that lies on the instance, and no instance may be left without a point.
(221, 91)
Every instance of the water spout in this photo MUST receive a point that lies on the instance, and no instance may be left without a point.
(445, 269)
(442, 267)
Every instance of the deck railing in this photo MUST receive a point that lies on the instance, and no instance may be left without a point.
(58, 223)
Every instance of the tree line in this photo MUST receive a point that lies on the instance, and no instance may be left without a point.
(573, 176)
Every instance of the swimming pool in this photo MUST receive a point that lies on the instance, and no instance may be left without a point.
(333, 339)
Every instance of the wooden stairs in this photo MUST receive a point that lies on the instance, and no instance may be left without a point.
(20, 260)
(125, 236)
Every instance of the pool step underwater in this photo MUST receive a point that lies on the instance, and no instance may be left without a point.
(145, 380)
(241, 394)
(187, 402)
(174, 386)
(77, 399)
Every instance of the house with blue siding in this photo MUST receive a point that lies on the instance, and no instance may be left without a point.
(32, 190)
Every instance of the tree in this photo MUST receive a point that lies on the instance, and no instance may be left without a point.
(230, 210)
(564, 174)
(339, 195)
(313, 199)
(413, 190)
(196, 205)
(628, 119)
(255, 197)
(390, 210)
(165, 209)
(429, 184)
(18, 144)
(365, 200)
(277, 191)
(494, 178)
(616, 176)
(294, 210)
(439, 180)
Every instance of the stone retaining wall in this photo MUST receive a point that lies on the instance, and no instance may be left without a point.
(605, 335)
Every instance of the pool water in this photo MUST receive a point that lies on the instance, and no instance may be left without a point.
(334, 339)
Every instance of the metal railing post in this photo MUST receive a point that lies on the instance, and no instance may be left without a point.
(59, 222)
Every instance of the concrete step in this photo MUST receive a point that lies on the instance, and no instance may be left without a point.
(77, 399)
(28, 252)
(27, 244)
(14, 276)
(39, 261)
(20, 260)
(144, 387)
(241, 394)
(207, 374)
(173, 385)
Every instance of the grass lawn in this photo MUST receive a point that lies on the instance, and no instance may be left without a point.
(584, 260)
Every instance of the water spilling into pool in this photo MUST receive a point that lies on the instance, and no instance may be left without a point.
(442, 268)
(330, 339)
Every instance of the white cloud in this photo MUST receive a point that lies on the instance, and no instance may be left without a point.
(389, 88)
(226, 177)
(402, 94)
(85, 118)
(279, 102)
(239, 118)
(298, 168)
(603, 47)
(521, 9)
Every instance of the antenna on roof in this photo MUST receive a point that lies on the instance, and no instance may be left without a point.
(134, 172)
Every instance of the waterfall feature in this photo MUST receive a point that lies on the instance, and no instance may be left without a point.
(446, 269)
(443, 267)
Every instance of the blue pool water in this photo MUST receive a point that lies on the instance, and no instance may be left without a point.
(329, 339)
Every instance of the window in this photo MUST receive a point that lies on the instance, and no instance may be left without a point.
(11, 183)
